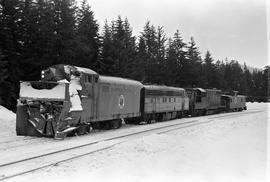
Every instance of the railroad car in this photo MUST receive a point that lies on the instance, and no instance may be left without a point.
(163, 103)
(70, 98)
(204, 101)
(233, 102)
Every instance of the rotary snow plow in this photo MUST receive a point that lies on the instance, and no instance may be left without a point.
(49, 108)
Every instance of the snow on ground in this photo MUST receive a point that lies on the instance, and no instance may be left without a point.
(227, 149)
(7, 121)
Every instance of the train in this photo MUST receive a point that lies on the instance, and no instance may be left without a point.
(71, 100)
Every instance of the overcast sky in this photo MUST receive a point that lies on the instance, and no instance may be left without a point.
(235, 29)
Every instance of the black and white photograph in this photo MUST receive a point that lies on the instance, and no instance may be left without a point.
(134, 90)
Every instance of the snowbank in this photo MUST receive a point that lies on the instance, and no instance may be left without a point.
(7, 120)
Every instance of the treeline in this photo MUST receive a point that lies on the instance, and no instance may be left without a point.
(35, 34)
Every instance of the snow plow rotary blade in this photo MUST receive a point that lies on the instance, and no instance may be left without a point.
(45, 114)
(32, 121)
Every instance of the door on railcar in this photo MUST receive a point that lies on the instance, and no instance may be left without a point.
(201, 99)
(88, 97)
(152, 103)
(225, 102)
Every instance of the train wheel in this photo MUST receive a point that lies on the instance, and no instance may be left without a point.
(159, 118)
(205, 112)
(107, 125)
(115, 123)
(128, 121)
(83, 129)
(120, 122)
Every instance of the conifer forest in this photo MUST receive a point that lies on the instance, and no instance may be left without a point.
(35, 34)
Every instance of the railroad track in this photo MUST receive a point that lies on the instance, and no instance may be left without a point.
(30, 164)
(235, 114)
(37, 162)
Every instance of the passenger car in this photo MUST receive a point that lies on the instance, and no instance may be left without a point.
(163, 103)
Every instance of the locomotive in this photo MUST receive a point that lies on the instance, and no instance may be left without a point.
(72, 100)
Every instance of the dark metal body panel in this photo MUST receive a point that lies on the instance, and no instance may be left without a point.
(213, 97)
(116, 98)
(204, 99)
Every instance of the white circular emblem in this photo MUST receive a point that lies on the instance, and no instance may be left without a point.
(121, 102)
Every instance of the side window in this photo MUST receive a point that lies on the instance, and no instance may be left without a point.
(87, 78)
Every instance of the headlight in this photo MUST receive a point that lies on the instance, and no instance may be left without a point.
(42, 74)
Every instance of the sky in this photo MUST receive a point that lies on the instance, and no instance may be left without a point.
(233, 29)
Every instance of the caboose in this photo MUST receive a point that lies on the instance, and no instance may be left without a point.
(233, 102)
(70, 98)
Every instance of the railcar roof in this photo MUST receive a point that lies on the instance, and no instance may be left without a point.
(213, 90)
(163, 88)
(241, 96)
(234, 96)
(118, 80)
(200, 89)
(85, 70)
(226, 95)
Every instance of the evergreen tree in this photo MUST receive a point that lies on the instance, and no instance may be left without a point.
(175, 58)
(209, 70)
(141, 61)
(129, 51)
(87, 38)
(64, 44)
(266, 83)
(233, 72)
(219, 72)
(106, 60)
(158, 69)
(258, 91)
(192, 66)
(118, 47)
(121, 45)
(46, 33)
(30, 42)
(245, 81)
(154, 52)
(10, 47)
